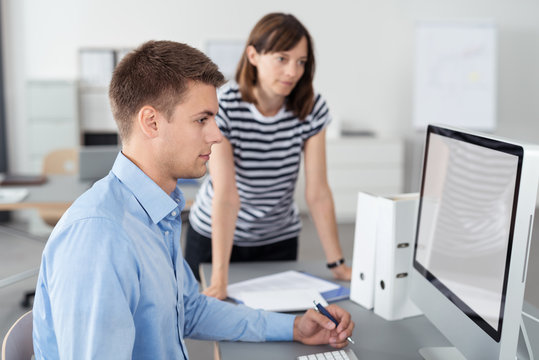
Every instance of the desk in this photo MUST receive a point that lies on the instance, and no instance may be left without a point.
(376, 338)
(59, 191)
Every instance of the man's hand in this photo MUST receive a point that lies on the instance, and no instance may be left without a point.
(313, 328)
(342, 272)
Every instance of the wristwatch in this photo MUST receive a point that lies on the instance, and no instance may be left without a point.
(335, 264)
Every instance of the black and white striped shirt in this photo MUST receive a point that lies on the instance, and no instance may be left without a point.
(267, 155)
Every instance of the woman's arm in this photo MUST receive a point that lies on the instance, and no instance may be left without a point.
(225, 207)
(320, 201)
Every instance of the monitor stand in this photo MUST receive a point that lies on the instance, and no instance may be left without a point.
(524, 349)
(441, 353)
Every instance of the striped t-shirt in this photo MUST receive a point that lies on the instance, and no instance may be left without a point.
(267, 155)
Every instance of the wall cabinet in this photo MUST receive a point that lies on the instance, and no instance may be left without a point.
(52, 114)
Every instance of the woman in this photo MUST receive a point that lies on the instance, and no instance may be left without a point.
(245, 209)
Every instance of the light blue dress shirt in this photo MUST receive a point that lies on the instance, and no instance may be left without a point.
(113, 283)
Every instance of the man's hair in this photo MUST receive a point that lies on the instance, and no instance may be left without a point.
(157, 74)
(273, 33)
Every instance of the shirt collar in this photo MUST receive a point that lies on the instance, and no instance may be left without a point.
(156, 202)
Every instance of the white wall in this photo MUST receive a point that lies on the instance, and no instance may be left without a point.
(364, 49)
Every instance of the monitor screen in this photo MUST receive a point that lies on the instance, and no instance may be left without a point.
(474, 224)
(464, 237)
(96, 161)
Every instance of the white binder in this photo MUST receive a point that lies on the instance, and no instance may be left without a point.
(396, 224)
(362, 284)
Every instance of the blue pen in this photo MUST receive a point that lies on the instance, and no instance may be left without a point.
(326, 313)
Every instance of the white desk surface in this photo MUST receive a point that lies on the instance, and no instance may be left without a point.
(375, 338)
(58, 191)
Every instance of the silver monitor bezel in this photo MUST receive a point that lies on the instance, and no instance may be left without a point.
(466, 332)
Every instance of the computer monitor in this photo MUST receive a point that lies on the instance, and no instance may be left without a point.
(96, 161)
(473, 234)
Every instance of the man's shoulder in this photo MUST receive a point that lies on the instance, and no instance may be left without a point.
(95, 218)
(106, 199)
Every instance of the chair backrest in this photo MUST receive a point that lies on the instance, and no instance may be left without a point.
(61, 161)
(18, 344)
(58, 162)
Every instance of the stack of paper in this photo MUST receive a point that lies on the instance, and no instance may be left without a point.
(286, 291)
(282, 300)
(12, 195)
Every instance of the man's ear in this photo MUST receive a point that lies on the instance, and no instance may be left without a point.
(252, 55)
(147, 121)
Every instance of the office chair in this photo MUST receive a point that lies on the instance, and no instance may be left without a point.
(18, 344)
(58, 162)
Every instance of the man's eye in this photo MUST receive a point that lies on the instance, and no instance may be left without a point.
(202, 120)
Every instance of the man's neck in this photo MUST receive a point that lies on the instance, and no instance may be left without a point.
(149, 165)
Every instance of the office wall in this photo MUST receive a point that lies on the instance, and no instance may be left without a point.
(364, 49)
(3, 147)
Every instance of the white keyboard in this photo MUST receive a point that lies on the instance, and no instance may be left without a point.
(346, 354)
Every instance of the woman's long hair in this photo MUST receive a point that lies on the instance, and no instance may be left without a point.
(273, 33)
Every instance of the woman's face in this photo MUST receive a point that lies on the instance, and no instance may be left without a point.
(279, 72)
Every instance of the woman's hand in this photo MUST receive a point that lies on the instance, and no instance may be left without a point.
(342, 272)
(216, 290)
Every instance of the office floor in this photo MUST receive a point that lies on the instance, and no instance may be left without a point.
(19, 252)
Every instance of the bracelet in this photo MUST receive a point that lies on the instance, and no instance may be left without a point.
(335, 264)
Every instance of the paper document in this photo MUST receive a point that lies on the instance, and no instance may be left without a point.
(287, 290)
(282, 300)
(12, 195)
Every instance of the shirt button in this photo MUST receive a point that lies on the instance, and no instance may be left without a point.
(174, 213)
(166, 232)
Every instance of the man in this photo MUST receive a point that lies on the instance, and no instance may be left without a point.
(113, 283)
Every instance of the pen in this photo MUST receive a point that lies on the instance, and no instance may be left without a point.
(326, 313)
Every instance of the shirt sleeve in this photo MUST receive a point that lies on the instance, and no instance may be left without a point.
(90, 317)
(319, 117)
(207, 318)
(222, 121)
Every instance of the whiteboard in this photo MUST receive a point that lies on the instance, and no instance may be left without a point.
(455, 75)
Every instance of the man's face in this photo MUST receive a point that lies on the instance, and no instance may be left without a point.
(186, 138)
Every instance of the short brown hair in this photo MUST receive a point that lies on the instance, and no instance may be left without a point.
(157, 74)
(279, 32)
